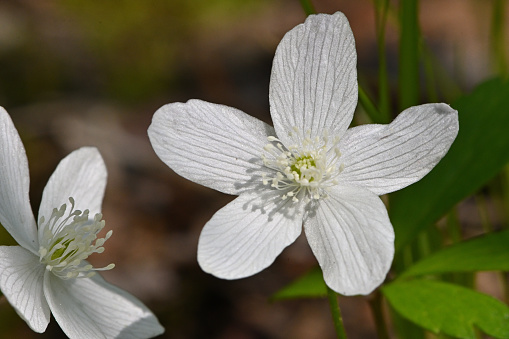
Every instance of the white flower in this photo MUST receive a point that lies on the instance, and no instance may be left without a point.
(309, 169)
(48, 272)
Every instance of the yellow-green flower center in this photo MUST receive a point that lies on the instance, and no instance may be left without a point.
(302, 164)
(57, 254)
(305, 170)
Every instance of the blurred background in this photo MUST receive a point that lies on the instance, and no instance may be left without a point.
(92, 73)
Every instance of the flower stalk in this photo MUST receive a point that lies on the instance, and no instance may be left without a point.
(377, 309)
(336, 313)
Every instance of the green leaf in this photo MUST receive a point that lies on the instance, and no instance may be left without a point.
(310, 285)
(450, 309)
(479, 152)
(485, 253)
(405, 328)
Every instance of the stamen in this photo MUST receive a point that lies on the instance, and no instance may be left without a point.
(305, 171)
(66, 242)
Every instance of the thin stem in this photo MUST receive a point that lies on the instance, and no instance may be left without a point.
(336, 313)
(423, 244)
(381, 10)
(378, 314)
(409, 54)
(505, 196)
(505, 286)
(430, 76)
(368, 106)
(483, 213)
(453, 226)
(442, 80)
(408, 257)
(308, 7)
(498, 44)
(488, 227)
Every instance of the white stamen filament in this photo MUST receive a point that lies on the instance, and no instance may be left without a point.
(67, 241)
(304, 169)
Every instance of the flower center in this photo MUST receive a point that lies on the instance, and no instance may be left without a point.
(303, 171)
(66, 241)
(302, 165)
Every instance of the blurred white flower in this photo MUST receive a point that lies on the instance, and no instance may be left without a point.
(310, 169)
(48, 272)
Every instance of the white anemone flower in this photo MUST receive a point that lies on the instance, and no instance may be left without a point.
(309, 169)
(48, 272)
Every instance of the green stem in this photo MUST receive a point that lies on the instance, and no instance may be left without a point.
(409, 54)
(505, 286)
(308, 7)
(336, 313)
(368, 106)
(430, 76)
(505, 195)
(378, 314)
(497, 37)
(453, 226)
(483, 213)
(435, 72)
(408, 257)
(381, 10)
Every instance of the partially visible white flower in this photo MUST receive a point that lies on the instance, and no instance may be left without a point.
(310, 169)
(48, 272)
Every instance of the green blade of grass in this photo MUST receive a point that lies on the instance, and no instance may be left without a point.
(381, 11)
(369, 107)
(409, 54)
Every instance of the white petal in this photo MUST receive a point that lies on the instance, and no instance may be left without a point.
(352, 237)
(80, 175)
(386, 158)
(21, 281)
(15, 211)
(247, 235)
(214, 145)
(92, 308)
(313, 85)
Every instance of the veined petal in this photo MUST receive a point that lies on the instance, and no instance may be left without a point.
(15, 211)
(80, 175)
(313, 85)
(21, 281)
(352, 238)
(386, 158)
(213, 145)
(247, 235)
(92, 308)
